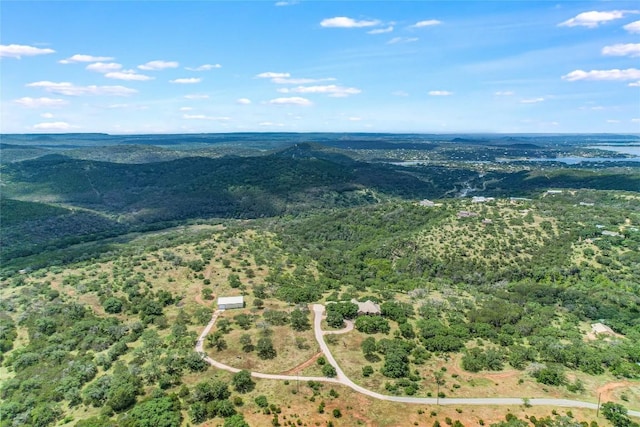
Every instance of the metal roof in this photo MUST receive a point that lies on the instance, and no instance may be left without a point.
(231, 300)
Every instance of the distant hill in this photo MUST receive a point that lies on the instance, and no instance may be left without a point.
(151, 185)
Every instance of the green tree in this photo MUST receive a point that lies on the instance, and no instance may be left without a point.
(329, 371)
(261, 401)
(44, 414)
(122, 397)
(236, 420)
(335, 319)
(367, 370)
(372, 325)
(265, 348)
(234, 280)
(216, 341)
(242, 382)
(112, 305)
(368, 347)
(224, 325)
(243, 321)
(300, 320)
(247, 344)
(159, 412)
(617, 414)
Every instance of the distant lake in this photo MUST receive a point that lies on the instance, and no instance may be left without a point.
(573, 160)
(626, 149)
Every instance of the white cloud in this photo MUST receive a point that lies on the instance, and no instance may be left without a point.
(19, 50)
(440, 93)
(196, 96)
(613, 121)
(593, 18)
(270, 124)
(332, 90)
(47, 115)
(633, 27)
(103, 67)
(635, 84)
(299, 81)
(243, 101)
(615, 74)
(69, 89)
(427, 23)
(531, 100)
(53, 126)
(635, 120)
(295, 100)
(203, 117)
(158, 65)
(397, 40)
(344, 22)
(205, 67)
(190, 80)
(354, 119)
(186, 108)
(40, 102)
(629, 49)
(272, 75)
(286, 3)
(127, 75)
(399, 93)
(85, 58)
(381, 30)
(504, 93)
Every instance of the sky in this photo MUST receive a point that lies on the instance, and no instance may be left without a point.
(125, 67)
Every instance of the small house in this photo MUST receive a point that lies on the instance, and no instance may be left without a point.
(466, 214)
(367, 308)
(481, 199)
(601, 328)
(225, 303)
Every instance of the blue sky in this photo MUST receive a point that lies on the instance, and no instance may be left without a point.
(410, 66)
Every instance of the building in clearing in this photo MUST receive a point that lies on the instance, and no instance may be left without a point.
(225, 303)
(368, 307)
(481, 199)
(601, 328)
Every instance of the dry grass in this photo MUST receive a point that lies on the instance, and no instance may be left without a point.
(295, 401)
(284, 342)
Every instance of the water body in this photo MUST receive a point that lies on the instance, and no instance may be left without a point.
(626, 149)
(574, 160)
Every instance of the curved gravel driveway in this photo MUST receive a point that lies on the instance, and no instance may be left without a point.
(341, 378)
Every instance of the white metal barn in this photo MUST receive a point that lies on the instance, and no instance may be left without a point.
(225, 303)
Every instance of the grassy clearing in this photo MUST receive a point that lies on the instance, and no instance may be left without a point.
(284, 342)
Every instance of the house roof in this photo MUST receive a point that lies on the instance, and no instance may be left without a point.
(367, 307)
(600, 328)
(231, 300)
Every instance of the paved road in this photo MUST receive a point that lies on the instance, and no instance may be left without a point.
(341, 378)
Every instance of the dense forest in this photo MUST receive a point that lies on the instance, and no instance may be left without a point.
(110, 270)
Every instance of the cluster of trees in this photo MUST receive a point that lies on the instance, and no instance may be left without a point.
(210, 399)
(339, 311)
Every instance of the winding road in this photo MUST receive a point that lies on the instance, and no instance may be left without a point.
(341, 378)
